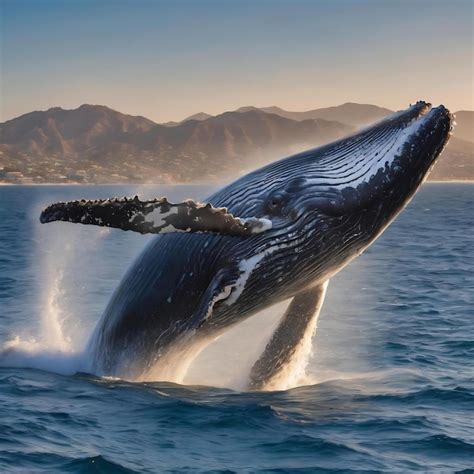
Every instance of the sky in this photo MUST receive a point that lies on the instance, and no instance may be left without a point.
(169, 59)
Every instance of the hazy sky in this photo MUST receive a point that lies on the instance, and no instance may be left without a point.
(169, 59)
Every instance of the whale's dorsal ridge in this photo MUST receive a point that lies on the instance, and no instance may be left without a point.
(156, 216)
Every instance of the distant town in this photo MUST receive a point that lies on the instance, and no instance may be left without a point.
(54, 169)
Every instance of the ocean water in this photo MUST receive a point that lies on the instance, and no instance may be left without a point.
(389, 386)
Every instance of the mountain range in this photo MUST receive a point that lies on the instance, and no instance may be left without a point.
(96, 144)
(356, 115)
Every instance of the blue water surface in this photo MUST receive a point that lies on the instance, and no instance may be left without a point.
(391, 379)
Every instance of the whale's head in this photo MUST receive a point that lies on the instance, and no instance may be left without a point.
(329, 204)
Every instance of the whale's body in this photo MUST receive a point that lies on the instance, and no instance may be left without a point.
(326, 206)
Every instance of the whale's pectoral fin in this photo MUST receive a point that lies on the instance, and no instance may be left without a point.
(291, 342)
(156, 216)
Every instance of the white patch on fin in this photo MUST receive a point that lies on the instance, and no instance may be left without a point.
(157, 218)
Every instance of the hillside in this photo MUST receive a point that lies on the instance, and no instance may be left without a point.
(95, 144)
(456, 162)
(356, 115)
(465, 125)
(199, 116)
(59, 131)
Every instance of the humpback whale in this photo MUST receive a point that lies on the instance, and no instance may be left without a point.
(278, 233)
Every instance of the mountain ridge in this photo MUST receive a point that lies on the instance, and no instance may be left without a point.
(94, 143)
(350, 113)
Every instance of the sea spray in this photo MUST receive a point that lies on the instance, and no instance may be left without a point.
(52, 316)
(55, 345)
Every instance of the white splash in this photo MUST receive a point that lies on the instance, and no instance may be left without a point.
(51, 349)
(54, 345)
(52, 316)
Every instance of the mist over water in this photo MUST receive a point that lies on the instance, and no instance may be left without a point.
(386, 384)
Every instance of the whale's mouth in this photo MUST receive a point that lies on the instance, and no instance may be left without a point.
(416, 138)
(396, 169)
(404, 142)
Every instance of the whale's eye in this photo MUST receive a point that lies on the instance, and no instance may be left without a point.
(276, 202)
